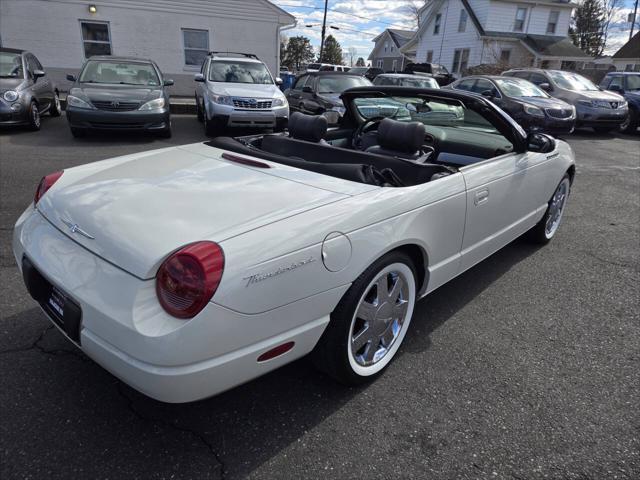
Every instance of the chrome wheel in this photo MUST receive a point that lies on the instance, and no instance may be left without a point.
(625, 125)
(556, 208)
(57, 103)
(35, 116)
(381, 319)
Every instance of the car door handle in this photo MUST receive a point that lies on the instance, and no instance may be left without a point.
(481, 196)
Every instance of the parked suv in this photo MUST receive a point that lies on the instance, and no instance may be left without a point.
(527, 104)
(237, 90)
(603, 111)
(26, 92)
(437, 71)
(626, 84)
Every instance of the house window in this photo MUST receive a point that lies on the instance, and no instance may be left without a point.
(394, 66)
(460, 60)
(521, 16)
(553, 22)
(429, 56)
(96, 38)
(386, 46)
(505, 56)
(462, 24)
(436, 24)
(196, 46)
(380, 63)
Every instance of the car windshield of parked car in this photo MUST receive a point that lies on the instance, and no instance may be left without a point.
(438, 112)
(359, 70)
(519, 88)
(419, 82)
(573, 81)
(123, 73)
(338, 84)
(11, 65)
(239, 72)
(633, 82)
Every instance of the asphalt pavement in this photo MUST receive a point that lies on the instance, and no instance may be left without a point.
(525, 367)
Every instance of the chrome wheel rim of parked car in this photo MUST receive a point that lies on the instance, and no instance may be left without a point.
(556, 208)
(381, 319)
(35, 116)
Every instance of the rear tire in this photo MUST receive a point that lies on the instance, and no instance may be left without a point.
(370, 322)
(34, 117)
(547, 227)
(55, 110)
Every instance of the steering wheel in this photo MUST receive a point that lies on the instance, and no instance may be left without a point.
(368, 126)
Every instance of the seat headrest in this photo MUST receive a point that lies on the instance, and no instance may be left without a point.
(401, 136)
(311, 128)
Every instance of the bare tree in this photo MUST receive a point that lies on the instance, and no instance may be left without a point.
(611, 7)
(353, 51)
(413, 7)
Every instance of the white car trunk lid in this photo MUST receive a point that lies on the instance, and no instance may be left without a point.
(141, 210)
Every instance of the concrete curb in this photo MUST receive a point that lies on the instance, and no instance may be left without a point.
(179, 105)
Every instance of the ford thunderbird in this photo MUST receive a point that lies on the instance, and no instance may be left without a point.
(189, 270)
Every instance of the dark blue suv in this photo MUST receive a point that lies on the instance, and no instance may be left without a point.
(626, 84)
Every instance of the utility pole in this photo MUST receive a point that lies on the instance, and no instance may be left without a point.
(633, 20)
(324, 29)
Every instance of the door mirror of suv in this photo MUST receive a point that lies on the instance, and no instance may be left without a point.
(168, 82)
(198, 77)
(38, 73)
(278, 81)
(71, 78)
(307, 90)
(540, 142)
(546, 87)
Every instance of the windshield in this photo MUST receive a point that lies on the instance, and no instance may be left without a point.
(633, 82)
(419, 82)
(340, 84)
(359, 70)
(572, 81)
(123, 73)
(230, 71)
(519, 88)
(11, 65)
(438, 112)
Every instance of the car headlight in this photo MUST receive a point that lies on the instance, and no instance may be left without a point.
(10, 96)
(153, 104)
(222, 99)
(279, 102)
(623, 104)
(73, 101)
(533, 110)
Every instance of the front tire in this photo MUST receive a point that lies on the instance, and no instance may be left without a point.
(546, 228)
(370, 322)
(604, 129)
(631, 123)
(78, 132)
(34, 117)
(199, 110)
(210, 128)
(55, 110)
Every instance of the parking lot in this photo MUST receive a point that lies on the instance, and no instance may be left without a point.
(527, 366)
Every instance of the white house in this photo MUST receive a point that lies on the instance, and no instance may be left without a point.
(175, 34)
(386, 54)
(462, 33)
(627, 59)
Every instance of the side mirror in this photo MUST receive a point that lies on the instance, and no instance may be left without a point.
(279, 81)
(198, 77)
(540, 142)
(38, 73)
(71, 78)
(168, 82)
(546, 87)
(307, 90)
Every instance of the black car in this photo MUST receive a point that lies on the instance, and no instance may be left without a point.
(626, 84)
(527, 104)
(367, 72)
(318, 92)
(437, 71)
(118, 93)
(26, 92)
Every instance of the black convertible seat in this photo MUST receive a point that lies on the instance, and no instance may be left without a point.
(399, 139)
(329, 160)
(311, 128)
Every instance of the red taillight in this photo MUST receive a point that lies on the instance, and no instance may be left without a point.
(45, 184)
(187, 280)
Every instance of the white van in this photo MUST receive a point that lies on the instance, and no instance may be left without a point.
(326, 67)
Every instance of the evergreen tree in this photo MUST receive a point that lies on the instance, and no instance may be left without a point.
(298, 52)
(332, 52)
(588, 29)
(360, 62)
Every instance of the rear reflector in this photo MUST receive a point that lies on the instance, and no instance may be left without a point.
(276, 352)
(245, 161)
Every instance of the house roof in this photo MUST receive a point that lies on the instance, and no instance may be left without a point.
(544, 45)
(631, 49)
(400, 37)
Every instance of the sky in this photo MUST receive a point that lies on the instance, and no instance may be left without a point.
(359, 21)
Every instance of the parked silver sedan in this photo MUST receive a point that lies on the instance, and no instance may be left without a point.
(406, 80)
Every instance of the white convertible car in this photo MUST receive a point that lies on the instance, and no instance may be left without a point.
(189, 270)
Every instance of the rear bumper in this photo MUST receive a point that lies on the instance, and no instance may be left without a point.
(134, 120)
(124, 329)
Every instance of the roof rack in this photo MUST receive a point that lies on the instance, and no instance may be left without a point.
(248, 55)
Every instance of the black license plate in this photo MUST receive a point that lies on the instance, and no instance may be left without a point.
(61, 309)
